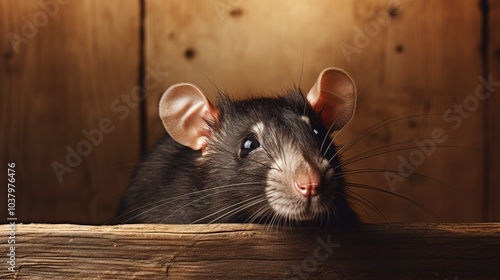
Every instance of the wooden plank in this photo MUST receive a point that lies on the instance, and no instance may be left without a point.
(408, 64)
(230, 251)
(70, 62)
(414, 63)
(493, 59)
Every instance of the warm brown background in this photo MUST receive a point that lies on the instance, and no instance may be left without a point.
(74, 69)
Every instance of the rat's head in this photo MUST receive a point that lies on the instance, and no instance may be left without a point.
(268, 159)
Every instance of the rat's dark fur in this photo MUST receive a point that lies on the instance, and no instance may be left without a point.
(175, 184)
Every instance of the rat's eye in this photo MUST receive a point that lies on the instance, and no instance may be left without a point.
(249, 144)
(317, 130)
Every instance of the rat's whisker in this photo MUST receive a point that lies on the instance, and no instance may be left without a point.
(377, 189)
(163, 202)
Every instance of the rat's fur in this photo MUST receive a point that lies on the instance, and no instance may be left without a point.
(175, 184)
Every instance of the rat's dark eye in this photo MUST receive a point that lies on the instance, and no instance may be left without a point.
(317, 129)
(249, 144)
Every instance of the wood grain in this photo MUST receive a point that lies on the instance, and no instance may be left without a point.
(411, 69)
(413, 62)
(493, 155)
(63, 79)
(228, 251)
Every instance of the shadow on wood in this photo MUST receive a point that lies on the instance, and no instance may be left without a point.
(230, 251)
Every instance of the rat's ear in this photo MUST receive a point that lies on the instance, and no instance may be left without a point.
(184, 110)
(334, 96)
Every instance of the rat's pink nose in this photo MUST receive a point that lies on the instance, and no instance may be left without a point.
(308, 184)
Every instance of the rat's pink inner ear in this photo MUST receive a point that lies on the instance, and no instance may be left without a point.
(183, 111)
(334, 96)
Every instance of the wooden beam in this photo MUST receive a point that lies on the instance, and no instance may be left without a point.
(229, 251)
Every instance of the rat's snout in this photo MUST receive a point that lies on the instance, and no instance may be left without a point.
(307, 183)
(298, 184)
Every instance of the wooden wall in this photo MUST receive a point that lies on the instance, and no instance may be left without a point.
(63, 78)
(414, 58)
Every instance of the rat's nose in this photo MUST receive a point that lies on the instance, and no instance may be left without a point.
(307, 184)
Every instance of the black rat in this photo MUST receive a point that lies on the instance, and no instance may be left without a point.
(264, 160)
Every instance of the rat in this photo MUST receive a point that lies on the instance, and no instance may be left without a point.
(267, 160)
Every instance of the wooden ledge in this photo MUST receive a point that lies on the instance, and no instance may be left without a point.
(229, 251)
